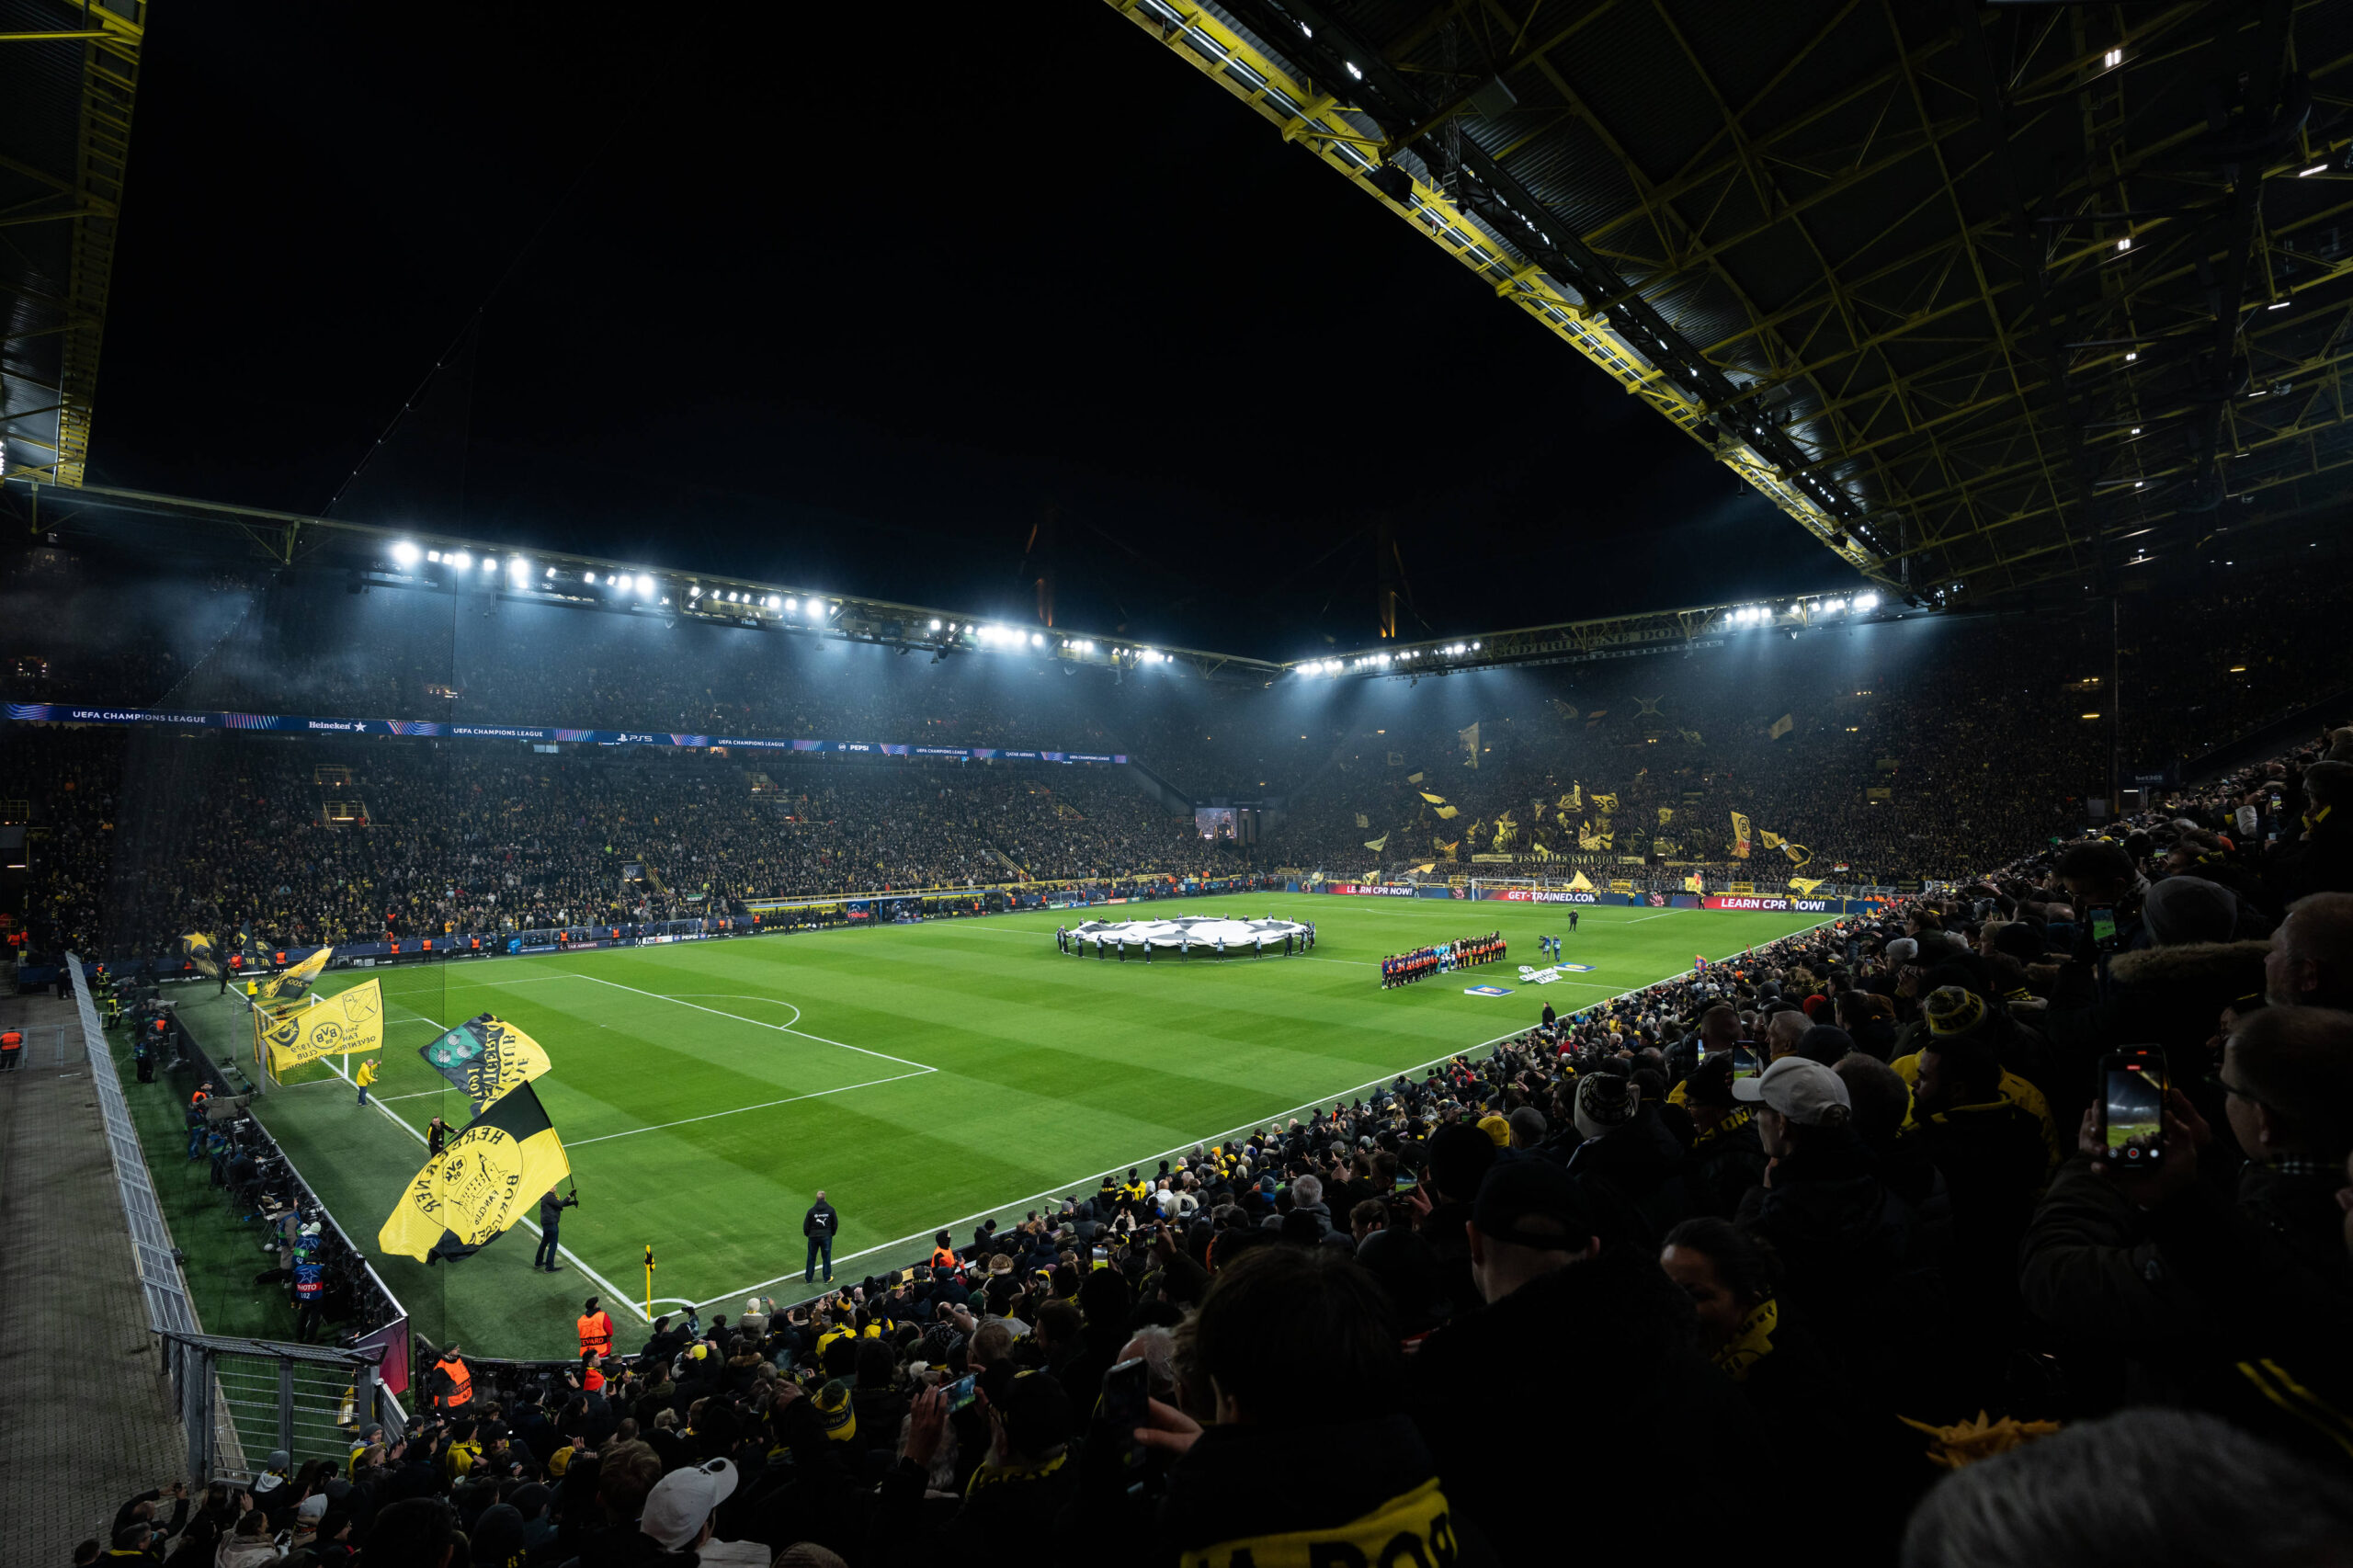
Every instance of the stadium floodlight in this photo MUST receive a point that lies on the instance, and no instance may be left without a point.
(433, 555)
(519, 569)
(404, 553)
(461, 560)
(1036, 640)
(791, 605)
(1474, 647)
(935, 624)
(1866, 601)
(774, 601)
(836, 610)
(644, 587)
(490, 563)
(694, 590)
(1834, 605)
(550, 573)
(589, 578)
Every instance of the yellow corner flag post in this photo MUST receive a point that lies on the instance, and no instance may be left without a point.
(649, 1282)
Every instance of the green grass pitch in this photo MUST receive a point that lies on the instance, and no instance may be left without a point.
(923, 1076)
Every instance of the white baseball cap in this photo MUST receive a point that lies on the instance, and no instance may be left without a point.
(1806, 1092)
(682, 1500)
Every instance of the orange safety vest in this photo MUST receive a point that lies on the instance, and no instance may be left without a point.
(596, 1334)
(943, 1257)
(462, 1382)
(12, 1040)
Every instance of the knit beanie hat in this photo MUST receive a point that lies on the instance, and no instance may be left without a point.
(1953, 1011)
(833, 1408)
(1605, 1101)
(2189, 909)
(1498, 1129)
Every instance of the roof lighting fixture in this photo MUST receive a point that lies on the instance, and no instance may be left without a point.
(834, 610)
(694, 590)
(1866, 601)
(2112, 58)
(551, 574)
(2124, 243)
(461, 560)
(433, 555)
(2277, 305)
(1036, 640)
(774, 601)
(1354, 74)
(404, 553)
(2315, 169)
(2131, 355)
(791, 605)
(2136, 429)
(589, 578)
(518, 569)
(935, 624)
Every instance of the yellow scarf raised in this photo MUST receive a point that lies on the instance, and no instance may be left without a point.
(1753, 1343)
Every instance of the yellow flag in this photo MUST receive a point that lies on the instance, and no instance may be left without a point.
(1433, 800)
(1693, 883)
(1798, 853)
(196, 948)
(1449, 812)
(1781, 726)
(1377, 845)
(1665, 815)
(1448, 849)
(297, 980)
(486, 1057)
(1806, 884)
(1413, 779)
(1363, 821)
(488, 1177)
(352, 1021)
(1605, 803)
(1579, 884)
(1770, 840)
(1740, 835)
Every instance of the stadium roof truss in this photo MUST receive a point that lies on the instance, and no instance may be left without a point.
(69, 74)
(1982, 295)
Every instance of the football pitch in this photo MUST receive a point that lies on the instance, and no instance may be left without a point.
(921, 1075)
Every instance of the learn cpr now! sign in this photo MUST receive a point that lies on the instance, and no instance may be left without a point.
(1794, 906)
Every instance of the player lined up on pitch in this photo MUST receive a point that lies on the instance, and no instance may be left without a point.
(1403, 969)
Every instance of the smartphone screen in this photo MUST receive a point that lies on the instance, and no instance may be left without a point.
(2103, 919)
(1744, 1063)
(2133, 1097)
(1127, 1393)
(960, 1392)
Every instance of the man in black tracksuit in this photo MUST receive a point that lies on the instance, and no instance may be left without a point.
(819, 1225)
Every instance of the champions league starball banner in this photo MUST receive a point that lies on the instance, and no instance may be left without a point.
(282, 724)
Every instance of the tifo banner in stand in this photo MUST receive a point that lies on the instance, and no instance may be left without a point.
(286, 723)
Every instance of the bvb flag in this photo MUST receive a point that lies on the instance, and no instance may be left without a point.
(1739, 835)
(297, 980)
(1579, 884)
(1665, 815)
(1771, 840)
(1806, 885)
(1693, 884)
(196, 948)
(1470, 739)
(1798, 853)
(352, 1021)
(486, 1057)
(1449, 812)
(1433, 800)
(1781, 726)
(489, 1177)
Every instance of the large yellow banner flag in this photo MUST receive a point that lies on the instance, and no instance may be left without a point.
(297, 980)
(488, 1177)
(352, 1021)
(1580, 883)
(1739, 835)
(1449, 812)
(486, 1057)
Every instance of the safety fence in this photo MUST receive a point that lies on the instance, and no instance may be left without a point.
(157, 1261)
(239, 1400)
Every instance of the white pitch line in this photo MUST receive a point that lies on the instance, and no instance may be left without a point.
(739, 1110)
(756, 1023)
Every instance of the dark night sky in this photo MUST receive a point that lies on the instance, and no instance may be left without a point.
(850, 313)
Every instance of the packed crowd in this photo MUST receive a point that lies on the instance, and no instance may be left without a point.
(1847, 1200)
(302, 842)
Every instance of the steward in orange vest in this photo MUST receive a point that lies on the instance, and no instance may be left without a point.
(457, 1387)
(596, 1330)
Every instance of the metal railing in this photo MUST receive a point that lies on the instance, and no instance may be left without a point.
(169, 1310)
(241, 1399)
